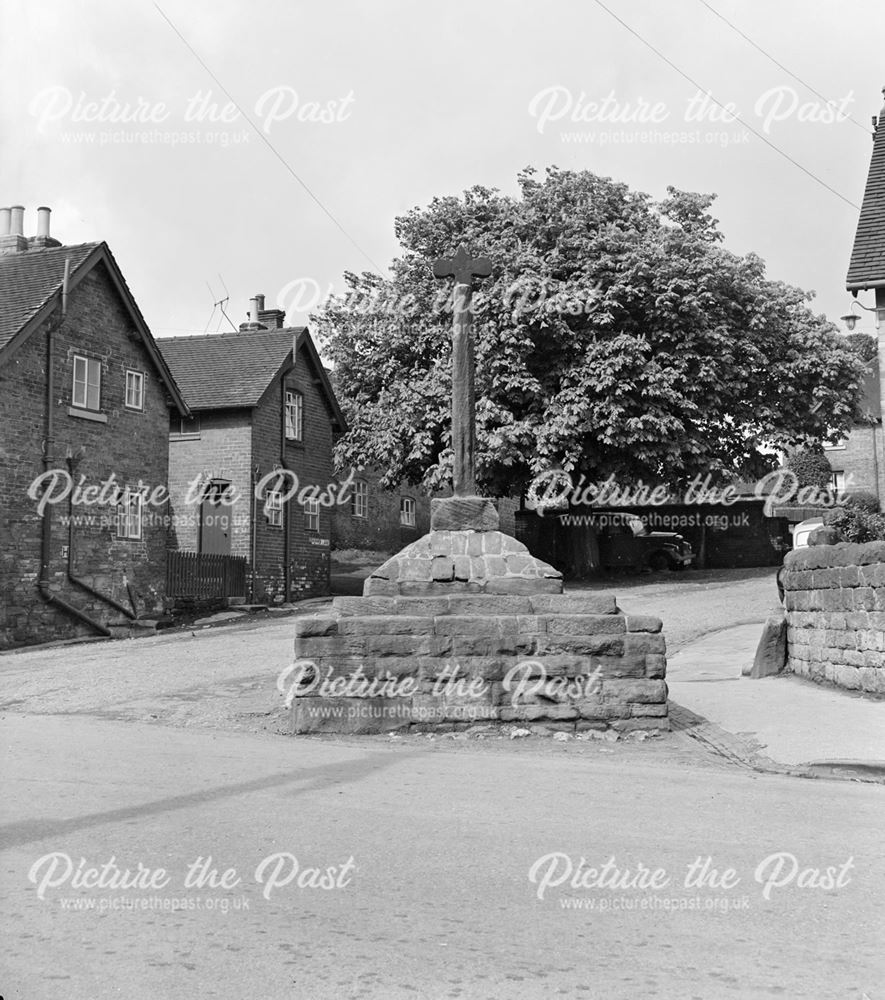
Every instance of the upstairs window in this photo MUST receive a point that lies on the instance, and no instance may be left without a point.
(312, 515)
(86, 393)
(134, 390)
(273, 508)
(294, 415)
(129, 515)
(359, 500)
(407, 512)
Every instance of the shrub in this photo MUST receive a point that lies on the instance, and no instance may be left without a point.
(811, 468)
(855, 524)
(863, 500)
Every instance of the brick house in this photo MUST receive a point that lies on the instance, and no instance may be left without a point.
(863, 454)
(378, 518)
(387, 520)
(858, 461)
(263, 422)
(85, 398)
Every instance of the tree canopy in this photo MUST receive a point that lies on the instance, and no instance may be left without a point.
(863, 344)
(616, 336)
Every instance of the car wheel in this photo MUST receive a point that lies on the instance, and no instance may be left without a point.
(658, 561)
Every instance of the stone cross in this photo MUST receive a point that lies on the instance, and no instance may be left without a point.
(463, 268)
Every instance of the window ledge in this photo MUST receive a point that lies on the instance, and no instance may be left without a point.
(183, 437)
(99, 418)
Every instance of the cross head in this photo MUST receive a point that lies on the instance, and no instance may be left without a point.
(462, 267)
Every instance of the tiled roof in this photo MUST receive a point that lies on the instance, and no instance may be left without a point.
(227, 370)
(29, 279)
(867, 267)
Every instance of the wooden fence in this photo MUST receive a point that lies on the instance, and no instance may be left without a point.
(196, 574)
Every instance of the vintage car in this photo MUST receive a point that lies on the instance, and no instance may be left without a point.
(626, 543)
(803, 530)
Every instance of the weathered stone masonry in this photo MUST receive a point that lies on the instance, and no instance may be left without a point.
(835, 605)
(475, 607)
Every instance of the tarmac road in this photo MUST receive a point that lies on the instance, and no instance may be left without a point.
(429, 850)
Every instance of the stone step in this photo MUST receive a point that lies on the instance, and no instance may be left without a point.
(479, 604)
(128, 629)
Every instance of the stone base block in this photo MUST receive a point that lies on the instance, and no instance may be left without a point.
(387, 664)
(463, 514)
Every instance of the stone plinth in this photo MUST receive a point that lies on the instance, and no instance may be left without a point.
(464, 627)
(443, 662)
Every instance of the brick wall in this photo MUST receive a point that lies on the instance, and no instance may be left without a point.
(861, 461)
(311, 461)
(381, 529)
(131, 445)
(834, 597)
(221, 450)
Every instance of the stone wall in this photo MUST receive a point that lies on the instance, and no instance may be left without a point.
(834, 596)
(571, 662)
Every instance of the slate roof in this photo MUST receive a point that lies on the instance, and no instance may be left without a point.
(233, 370)
(867, 267)
(29, 279)
(30, 292)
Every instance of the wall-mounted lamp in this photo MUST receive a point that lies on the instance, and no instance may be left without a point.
(850, 319)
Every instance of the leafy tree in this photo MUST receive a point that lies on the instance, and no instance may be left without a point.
(616, 336)
(863, 344)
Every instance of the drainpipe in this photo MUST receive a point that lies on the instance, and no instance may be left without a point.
(253, 534)
(46, 527)
(287, 572)
(76, 580)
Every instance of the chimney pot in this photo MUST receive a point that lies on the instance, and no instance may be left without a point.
(260, 300)
(43, 221)
(5, 221)
(254, 322)
(18, 220)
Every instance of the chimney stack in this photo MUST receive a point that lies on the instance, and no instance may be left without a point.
(43, 239)
(256, 304)
(271, 318)
(12, 239)
(12, 230)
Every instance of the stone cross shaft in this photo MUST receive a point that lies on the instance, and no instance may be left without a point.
(463, 268)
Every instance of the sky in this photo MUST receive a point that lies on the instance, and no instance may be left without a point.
(114, 114)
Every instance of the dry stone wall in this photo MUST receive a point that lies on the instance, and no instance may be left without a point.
(834, 596)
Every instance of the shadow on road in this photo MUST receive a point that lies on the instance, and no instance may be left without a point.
(343, 772)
